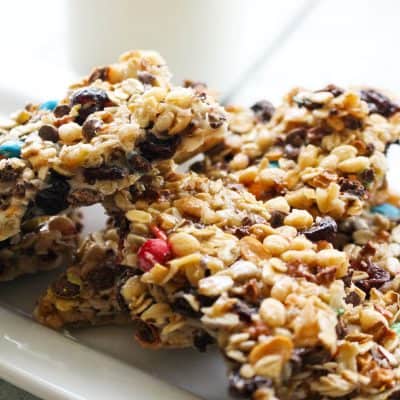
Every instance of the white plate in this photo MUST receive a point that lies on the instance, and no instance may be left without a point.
(96, 363)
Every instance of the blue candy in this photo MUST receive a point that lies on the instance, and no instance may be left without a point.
(387, 210)
(273, 164)
(49, 105)
(11, 149)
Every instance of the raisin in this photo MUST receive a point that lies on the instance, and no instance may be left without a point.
(335, 90)
(146, 78)
(154, 148)
(353, 187)
(61, 110)
(137, 163)
(145, 333)
(263, 110)
(215, 120)
(90, 128)
(65, 289)
(244, 311)
(8, 174)
(353, 298)
(367, 176)
(241, 387)
(201, 340)
(307, 103)
(379, 103)
(49, 132)
(296, 137)
(84, 197)
(326, 276)
(291, 152)
(103, 173)
(182, 306)
(323, 229)
(377, 276)
(277, 218)
(199, 167)
(124, 275)
(313, 355)
(101, 278)
(394, 395)
(91, 100)
(351, 122)
(206, 301)
(53, 199)
(316, 134)
(99, 73)
(199, 87)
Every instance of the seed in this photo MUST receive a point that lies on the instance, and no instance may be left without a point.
(273, 312)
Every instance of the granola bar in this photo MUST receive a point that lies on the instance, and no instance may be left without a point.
(323, 150)
(110, 129)
(44, 243)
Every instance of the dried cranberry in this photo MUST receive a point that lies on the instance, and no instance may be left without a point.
(151, 252)
(201, 340)
(65, 289)
(323, 229)
(53, 199)
(379, 103)
(263, 110)
(138, 163)
(90, 128)
(241, 387)
(103, 173)
(91, 100)
(48, 132)
(154, 148)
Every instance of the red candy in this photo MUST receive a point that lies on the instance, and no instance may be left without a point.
(153, 251)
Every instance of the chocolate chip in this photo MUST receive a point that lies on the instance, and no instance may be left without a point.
(323, 229)
(91, 100)
(53, 199)
(201, 340)
(353, 298)
(146, 78)
(335, 90)
(241, 387)
(263, 110)
(101, 73)
(353, 187)
(182, 306)
(352, 123)
(296, 137)
(154, 148)
(61, 110)
(103, 173)
(49, 132)
(101, 278)
(379, 103)
(8, 174)
(277, 218)
(137, 163)
(65, 289)
(84, 197)
(90, 128)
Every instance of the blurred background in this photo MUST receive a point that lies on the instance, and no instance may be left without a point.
(246, 49)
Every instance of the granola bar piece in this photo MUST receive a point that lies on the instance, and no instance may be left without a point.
(121, 122)
(44, 243)
(324, 150)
